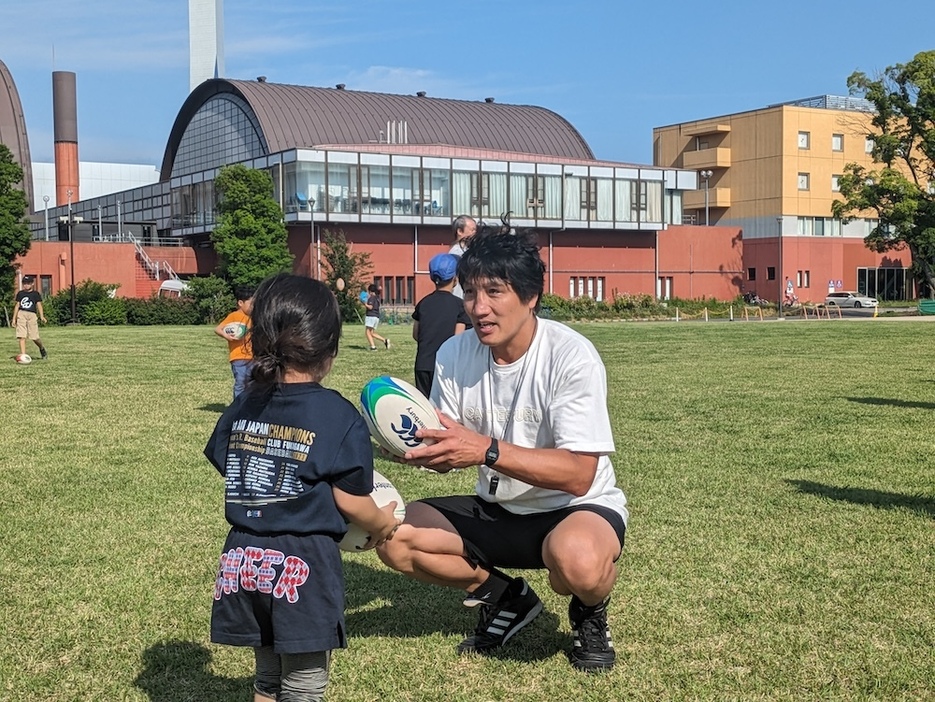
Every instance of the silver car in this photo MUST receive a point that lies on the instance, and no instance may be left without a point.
(850, 299)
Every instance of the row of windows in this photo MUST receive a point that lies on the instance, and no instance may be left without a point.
(341, 188)
(837, 142)
(587, 286)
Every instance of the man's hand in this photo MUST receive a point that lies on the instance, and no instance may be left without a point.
(455, 446)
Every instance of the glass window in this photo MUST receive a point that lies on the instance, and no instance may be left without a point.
(868, 145)
(553, 196)
(439, 184)
(804, 138)
(835, 183)
(520, 199)
(837, 142)
(625, 193)
(803, 181)
(751, 274)
(495, 195)
(770, 273)
(223, 130)
(461, 193)
(340, 197)
(402, 189)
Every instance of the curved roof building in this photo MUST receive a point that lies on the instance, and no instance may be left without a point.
(13, 128)
(250, 119)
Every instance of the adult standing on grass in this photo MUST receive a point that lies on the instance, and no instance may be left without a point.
(238, 346)
(372, 318)
(297, 462)
(27, 311)
(463, 227)
(525, 399)
(438, 316)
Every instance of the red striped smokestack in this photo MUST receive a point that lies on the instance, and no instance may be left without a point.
(65, 115)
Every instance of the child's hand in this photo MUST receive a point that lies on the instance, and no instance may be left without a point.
(388, 529)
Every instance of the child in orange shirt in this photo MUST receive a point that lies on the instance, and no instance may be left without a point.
(238, 344)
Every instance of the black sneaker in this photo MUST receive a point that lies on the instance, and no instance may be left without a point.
(43, 353)
(498, 622)
(593, 648)
(386, 343)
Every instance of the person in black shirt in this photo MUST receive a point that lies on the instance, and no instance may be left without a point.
(438, 316)
(27, 311)
(297, 462)
(372, 318)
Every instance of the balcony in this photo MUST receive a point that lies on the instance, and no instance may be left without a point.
(717, 197)
(706, 158)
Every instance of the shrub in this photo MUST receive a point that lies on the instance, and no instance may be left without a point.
(212, 298)
(57, 307)
(110, 311)
(162, 310)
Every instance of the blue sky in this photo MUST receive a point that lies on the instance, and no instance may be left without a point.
(614, 68)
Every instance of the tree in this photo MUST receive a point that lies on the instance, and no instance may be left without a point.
(902, 192)
(353, 268)
(250, 239)
(14, 230)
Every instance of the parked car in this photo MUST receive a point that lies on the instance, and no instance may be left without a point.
(850, 299)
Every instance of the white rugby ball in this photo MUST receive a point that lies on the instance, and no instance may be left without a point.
(23, 358)
(383, 493)
(394, 410)
(236, 330)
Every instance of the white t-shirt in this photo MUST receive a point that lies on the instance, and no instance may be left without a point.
(457, 250)
(555, 396)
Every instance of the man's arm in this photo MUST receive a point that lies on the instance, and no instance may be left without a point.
(459, 327)
(456, 446)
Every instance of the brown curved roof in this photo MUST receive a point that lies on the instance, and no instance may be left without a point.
(293, 116)
(13, 129)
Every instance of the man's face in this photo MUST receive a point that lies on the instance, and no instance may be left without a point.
(497, 313)
(470, 227)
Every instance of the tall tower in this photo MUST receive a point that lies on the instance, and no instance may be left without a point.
(205, 41)
(65, 124)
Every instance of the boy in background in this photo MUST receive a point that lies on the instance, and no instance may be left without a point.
(27, 310)
(438, 316)
(239, 351)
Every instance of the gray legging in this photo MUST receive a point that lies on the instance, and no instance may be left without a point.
(291, 677)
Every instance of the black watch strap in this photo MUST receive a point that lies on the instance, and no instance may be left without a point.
(493, 453)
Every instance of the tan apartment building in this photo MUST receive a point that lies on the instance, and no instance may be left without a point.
(774, 173)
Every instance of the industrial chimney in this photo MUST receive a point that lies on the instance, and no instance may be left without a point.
(65, 126)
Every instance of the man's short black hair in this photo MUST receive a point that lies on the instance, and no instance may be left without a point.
(494, 254)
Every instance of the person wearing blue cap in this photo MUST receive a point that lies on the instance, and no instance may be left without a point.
(438, 316)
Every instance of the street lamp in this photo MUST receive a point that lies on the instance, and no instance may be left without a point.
(706, 176)
(71, 221)
(45, 199)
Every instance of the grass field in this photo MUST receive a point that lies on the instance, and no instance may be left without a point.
(781, 544)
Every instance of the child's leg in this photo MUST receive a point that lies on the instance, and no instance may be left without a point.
(266, 684)
(370, 337)
(304, 676)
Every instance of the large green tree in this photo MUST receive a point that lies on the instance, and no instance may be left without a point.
(250, 239)
(353, 268)
(14, 231)
(902, 191)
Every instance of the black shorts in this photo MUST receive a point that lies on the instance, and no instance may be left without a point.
(494, 536)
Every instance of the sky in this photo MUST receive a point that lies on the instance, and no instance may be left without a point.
(613, 68)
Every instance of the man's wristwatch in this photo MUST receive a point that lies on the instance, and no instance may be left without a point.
(493, 453)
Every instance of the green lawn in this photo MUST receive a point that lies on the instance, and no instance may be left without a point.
(781, 544)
